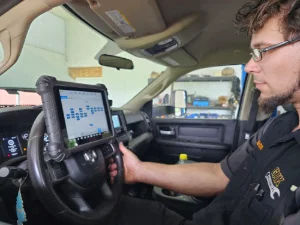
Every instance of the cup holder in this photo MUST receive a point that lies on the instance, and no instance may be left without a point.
(169, 193)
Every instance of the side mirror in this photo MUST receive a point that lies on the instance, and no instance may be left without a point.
(115, 62)
(179, 102)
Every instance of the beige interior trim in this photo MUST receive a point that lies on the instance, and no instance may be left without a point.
(16, 27)
(17, 45)
(183, 31)
(224, 56)
(134, 15)
(149, 40)
(5, 41)
(54, 3)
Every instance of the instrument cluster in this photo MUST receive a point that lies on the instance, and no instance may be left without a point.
(14, 144)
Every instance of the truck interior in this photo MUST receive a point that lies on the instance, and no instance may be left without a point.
(182, 37)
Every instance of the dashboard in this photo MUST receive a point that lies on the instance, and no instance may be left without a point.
(78, 118)
(81, 135)
(131, 127)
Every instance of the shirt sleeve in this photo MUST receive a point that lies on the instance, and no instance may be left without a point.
(232, 162)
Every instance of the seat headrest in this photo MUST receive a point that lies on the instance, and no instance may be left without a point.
(289, 107)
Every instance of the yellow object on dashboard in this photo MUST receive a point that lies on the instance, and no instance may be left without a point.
(183, 157)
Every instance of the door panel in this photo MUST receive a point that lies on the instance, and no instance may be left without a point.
(201, 133)
(202, 140)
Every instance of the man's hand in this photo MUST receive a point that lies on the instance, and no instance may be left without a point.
(197, 179)
(131, 166)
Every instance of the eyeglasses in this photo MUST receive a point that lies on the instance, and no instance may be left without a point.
(257, 53)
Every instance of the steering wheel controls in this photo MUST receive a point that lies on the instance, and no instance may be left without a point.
(108, 150)
(94, 154)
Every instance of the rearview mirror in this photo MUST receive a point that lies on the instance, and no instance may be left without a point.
(179, 102)
(115, 62)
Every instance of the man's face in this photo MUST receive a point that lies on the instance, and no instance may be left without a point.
(277, 75)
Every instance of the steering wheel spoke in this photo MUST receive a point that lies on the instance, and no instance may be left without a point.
(106, 191)
(60, 180)
(58, 171)
(79, 202)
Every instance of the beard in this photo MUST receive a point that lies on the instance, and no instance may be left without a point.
(268, 105)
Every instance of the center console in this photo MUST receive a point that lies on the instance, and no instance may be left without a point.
(120, 127)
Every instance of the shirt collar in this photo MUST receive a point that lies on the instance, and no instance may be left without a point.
(288, 124)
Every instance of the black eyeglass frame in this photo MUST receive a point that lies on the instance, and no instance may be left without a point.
(257, 53)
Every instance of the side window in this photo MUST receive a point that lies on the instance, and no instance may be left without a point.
(212, 93)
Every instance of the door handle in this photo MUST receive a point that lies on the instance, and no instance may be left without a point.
(167, 132)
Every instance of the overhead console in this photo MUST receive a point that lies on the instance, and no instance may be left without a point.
(158, 41)
(166, 46)
(77, 117)
(162, 47)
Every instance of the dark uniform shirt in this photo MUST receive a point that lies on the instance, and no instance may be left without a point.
(232, 162)
(282, 128)
(264, 174)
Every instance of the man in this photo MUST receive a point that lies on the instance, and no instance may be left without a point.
(257, 184)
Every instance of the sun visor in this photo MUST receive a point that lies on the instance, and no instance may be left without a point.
(137, 19)
(169, 40)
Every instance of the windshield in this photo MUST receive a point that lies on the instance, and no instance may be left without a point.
(60, 45)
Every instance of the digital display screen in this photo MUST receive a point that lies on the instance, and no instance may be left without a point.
(84, 115)
(116, 121)
(11, 147)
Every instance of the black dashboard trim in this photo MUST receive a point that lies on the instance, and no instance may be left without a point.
(133, 117)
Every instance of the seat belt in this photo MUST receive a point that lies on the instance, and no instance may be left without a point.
(249, 129)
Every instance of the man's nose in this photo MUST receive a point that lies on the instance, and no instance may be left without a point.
(252, 67)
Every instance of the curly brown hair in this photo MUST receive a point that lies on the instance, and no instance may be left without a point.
(253, 15)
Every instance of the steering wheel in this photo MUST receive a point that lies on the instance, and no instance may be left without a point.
(76, 176)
